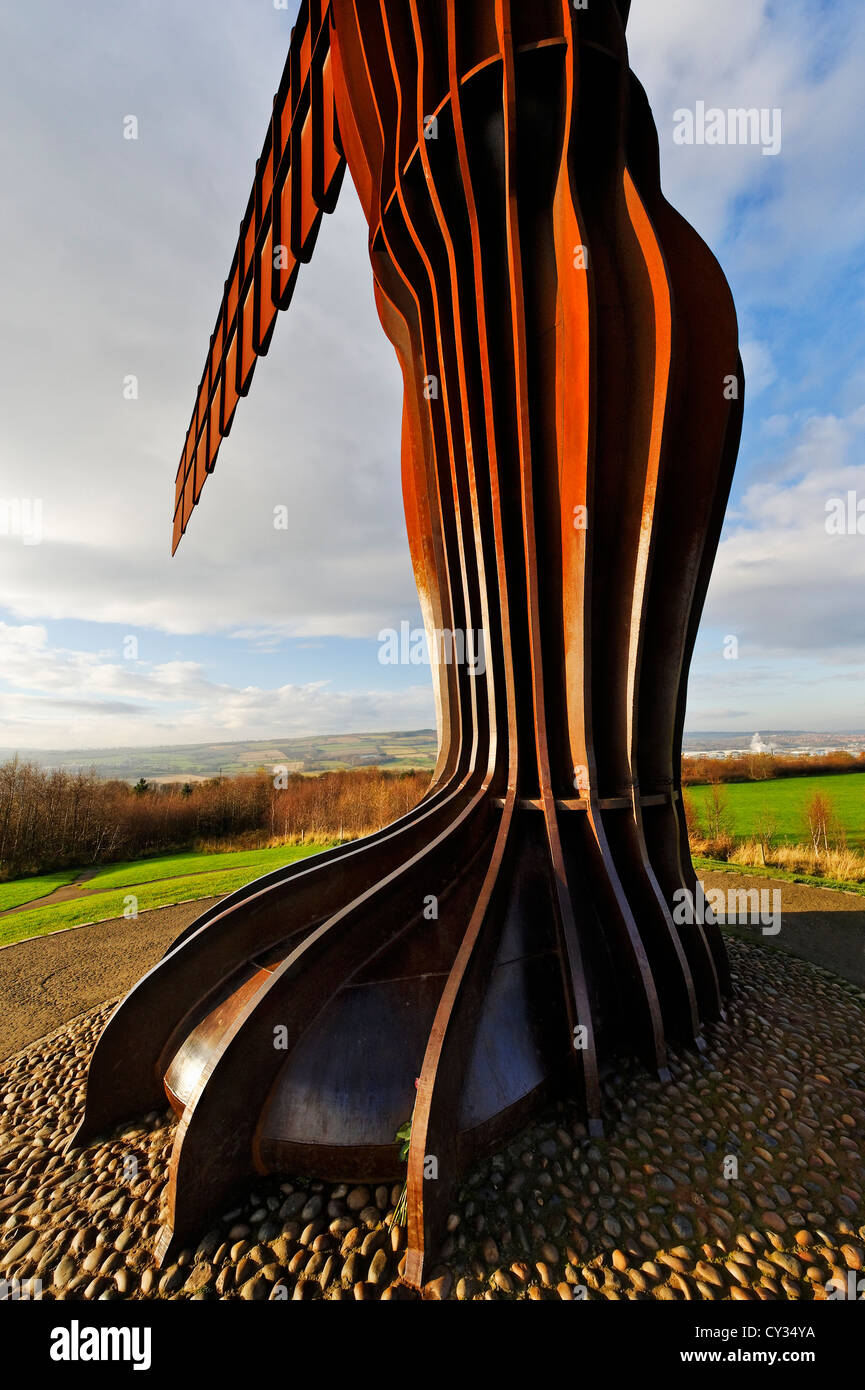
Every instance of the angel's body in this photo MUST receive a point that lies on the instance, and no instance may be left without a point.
(571, 415)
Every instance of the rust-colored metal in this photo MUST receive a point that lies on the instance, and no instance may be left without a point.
(297, 178)
(567, 344)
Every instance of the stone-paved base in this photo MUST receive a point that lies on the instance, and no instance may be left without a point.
(648, 1212)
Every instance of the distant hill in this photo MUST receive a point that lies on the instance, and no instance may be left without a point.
(396, 751)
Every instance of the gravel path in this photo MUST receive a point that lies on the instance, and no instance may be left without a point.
(50, 979)
(817, 924)
(739, 1180)
(64, 894)
(76, 892)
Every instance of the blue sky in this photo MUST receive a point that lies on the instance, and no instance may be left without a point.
(113, 255)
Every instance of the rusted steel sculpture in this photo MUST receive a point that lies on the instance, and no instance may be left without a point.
(573, 397)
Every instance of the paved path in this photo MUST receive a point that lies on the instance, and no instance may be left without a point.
(817, 924)
(48, 980)
(63, 894)
(75, 890)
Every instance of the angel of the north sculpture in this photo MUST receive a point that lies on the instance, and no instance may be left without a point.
(572, 412)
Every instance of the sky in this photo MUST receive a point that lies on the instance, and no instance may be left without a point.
(113, 254)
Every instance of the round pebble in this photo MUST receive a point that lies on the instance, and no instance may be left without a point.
(737, 1181)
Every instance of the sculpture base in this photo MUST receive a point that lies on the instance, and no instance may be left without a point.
(290, 1044)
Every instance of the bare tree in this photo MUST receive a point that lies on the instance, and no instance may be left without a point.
(819, 813)
(766, 827)
(689, 811)
(716, 808)
(54, 819)
(825, 828)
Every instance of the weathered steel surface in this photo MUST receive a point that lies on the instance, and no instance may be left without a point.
(567, 344)
(297, 178)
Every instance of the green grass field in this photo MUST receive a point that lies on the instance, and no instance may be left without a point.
(177, 877)
(158, 891)
(25, 890)
(124, 875)
(787, 798)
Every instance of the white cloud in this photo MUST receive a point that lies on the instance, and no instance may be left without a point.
(782, 582)
(790, 216)
(137, 703)
(128, 278)
(760, 369)
(132, 286)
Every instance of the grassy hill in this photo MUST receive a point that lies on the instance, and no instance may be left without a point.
(144, 884)
(787, 800)
(324, 753)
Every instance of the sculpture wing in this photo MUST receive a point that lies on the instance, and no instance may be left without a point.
(297, 178)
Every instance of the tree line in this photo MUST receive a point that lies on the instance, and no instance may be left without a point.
(761, 767)
(55, 818)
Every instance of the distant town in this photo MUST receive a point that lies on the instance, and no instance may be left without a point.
(790, 744)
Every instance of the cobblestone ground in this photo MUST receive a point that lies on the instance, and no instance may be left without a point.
(650, 1211)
